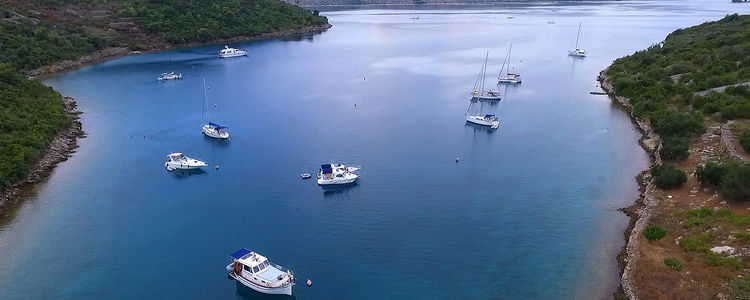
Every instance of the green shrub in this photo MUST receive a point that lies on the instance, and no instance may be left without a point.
(668, 176)
(738, 289)
(654, 232)
(735, 183)
(710, 173)
(742, 236)
(745, 140)
(674, 124)
(722, 260)
(700, 243)
(674, 147)
(673, 263)
(697, 217)
(732, 178)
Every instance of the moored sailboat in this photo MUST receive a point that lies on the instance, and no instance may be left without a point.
(509, 77)
(478, 92)
(578, 52)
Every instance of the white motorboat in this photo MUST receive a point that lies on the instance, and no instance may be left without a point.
(256, 272)
(509, 77)
(478, 92)
(486, 120)
(215, 131)
(231, 52)
(170, 76)
(578, 52)
(336, 174)
(180, 161)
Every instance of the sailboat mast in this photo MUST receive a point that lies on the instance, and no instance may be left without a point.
(484, 69)
(203, 114)
(578, 35)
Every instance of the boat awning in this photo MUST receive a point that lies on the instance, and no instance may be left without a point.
(488, 116)
(216, 126)
(240, 253)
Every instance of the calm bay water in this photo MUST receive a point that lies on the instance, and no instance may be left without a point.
(529, 212)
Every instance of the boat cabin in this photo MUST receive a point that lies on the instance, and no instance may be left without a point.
(176, 156)
(257, 269)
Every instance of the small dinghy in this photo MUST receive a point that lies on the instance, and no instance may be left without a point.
(305, 176)
(180, 161)
(256, 272)
(170, 76)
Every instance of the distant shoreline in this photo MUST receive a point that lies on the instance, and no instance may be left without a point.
(63, 145)
(118, 52)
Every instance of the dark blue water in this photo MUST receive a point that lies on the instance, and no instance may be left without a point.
(528, 212)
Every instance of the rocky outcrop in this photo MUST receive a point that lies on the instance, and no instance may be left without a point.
(728, 142)
(59, 149)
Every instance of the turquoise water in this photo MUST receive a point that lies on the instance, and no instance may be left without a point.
(530, 211)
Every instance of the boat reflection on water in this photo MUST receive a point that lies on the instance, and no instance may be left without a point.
(332, 190)
(480, 128)
(184, 174)
(250, 294)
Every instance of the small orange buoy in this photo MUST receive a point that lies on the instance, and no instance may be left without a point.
(309, 282)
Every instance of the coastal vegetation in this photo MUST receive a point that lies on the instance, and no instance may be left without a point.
(731, 177)
(670, 83)
(668, 176)
(653, 233)
(183, 21)
(673, 263)
(30, 115)
(745, 140)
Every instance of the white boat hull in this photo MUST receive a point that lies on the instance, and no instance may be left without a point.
(479, 120)
(210, 132)
(577, 53)
(343, 180)
(508, 80)
(228, 55)
(283, 290)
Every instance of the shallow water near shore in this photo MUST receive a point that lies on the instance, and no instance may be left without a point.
(530, 211)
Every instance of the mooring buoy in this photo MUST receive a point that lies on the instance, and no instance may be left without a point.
(309, 282)
(217, 167)
(457, 159)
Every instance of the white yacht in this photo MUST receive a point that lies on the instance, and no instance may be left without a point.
(509, 77)
(231, 52)
(336, 174)
(256, 272)
(215, 131)
(486, 120)
(180, 161)
(170, 76)
(478, 92)
(578, 52)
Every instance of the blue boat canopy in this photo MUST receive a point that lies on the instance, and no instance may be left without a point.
(326, 166)
(216, 126)
(488, 116)
(240, 253)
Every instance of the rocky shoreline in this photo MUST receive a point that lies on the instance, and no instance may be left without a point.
(641, 211)
(117, 52)
(61, 147)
